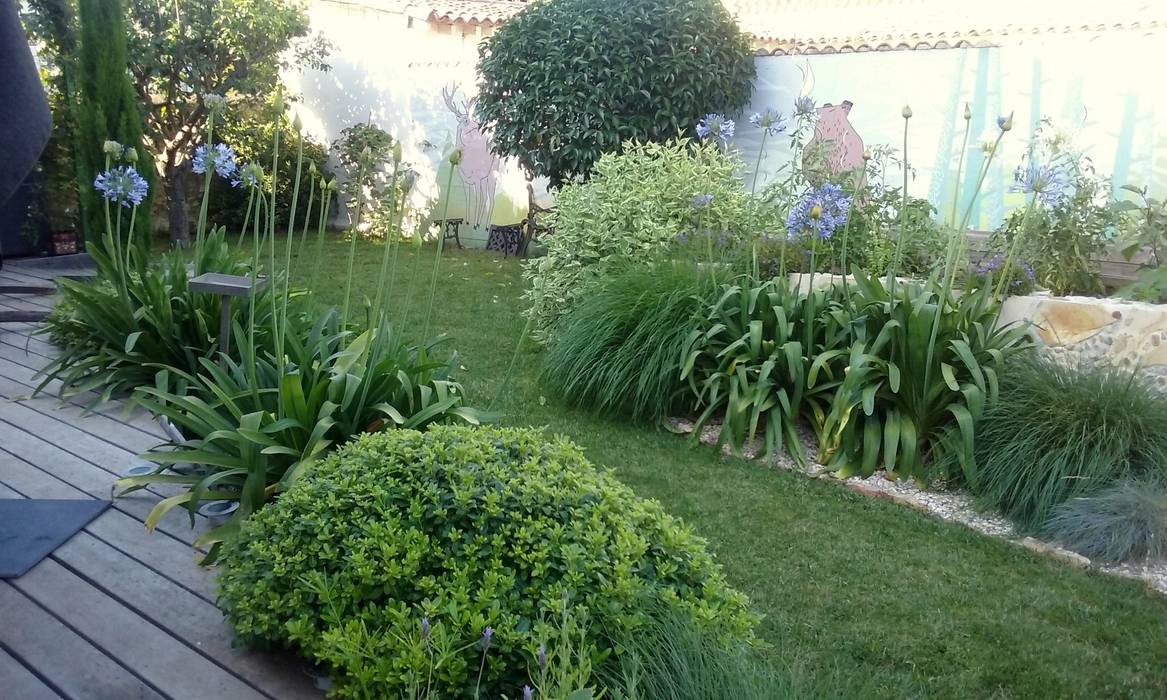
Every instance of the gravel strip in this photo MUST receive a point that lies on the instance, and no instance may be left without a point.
(953, 506)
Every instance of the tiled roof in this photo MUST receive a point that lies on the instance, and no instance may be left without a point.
(472, 12)
(844, 26)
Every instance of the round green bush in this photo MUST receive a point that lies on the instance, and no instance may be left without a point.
(565, 81)
(468, 527)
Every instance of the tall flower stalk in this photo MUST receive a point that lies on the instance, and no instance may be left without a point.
(291, 233)
(386, 253)
(362, 172)
(894, 270)
(455, 159)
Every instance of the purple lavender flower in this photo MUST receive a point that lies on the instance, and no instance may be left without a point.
(541, 656)
(717, 126)
(769, 121)
(223, 160)
(528, 693)
(1048, 183)
(701, 201)
(819, 213)
(122, 185)
(804, 106)
(425, 629)
(487, 635)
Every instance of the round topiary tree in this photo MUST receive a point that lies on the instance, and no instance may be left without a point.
(566, 80)
(464, 529)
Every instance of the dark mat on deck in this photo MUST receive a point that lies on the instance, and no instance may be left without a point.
(30, 529)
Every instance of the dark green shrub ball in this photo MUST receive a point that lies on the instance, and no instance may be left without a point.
(469, 527)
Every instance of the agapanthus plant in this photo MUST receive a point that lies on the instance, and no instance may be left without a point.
(770, 122)
(804, 106)
(1049, 183)
(222, 159)
(819, 213)
(717, 126)
(122, 185)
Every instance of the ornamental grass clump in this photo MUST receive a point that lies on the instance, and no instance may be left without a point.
(1123, 522)
(1059, 432)
(619, 350)
(468, 528)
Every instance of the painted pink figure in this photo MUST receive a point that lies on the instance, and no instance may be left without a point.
(836, 142)
(479, 166)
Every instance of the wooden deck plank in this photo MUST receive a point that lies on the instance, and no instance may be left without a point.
(133, 641)
(197, 621)
(18, 682)
(64, 658)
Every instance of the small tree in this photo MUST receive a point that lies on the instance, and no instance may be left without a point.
(109, 108)
(182, 51)
(566, 80)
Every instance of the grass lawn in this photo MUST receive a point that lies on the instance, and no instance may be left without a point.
(864, 588)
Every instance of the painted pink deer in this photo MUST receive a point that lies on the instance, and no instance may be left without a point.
(479, 166)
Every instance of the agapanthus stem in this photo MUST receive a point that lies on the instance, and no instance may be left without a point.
(307, 217)
(903, 215)
(1006, 270)
(386, 253)
(352, 246)
(320, 236)
(247, 215)
(208, 171)
(277, 329)
(291, 234)
(437, 256)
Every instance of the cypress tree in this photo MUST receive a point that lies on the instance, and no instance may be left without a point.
(108, 109)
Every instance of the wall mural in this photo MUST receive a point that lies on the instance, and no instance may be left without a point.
(480, 166)
(1084, 84)
(836, 141)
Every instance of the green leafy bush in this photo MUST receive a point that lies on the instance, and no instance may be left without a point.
(763, 355)
(906, 400)
(1123, 522)
(469, 527)
(565, 81)
(619, 350)
(1060, 432)
(632, 209)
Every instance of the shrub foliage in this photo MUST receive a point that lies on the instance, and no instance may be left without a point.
(634, 206)
(566, 80)
(470, 528)
(1123, 522)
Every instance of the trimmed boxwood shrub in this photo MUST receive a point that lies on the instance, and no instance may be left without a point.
(468, 527)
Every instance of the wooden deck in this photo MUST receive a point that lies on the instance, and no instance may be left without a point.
(116, 613)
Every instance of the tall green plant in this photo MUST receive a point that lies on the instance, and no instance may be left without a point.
(109, 108)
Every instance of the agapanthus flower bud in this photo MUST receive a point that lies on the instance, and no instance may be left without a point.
(214, 103)
(866, 154)
(113, 149)
(456, 156)
(312, 167)
(967, 112)
(396, 151)
(1006, 123)
(907, 112)
(296, 123)
(278, 103)
(131, 155)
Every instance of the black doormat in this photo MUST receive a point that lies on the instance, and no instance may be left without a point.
(30, 529)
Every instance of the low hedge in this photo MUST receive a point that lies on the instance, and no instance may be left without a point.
(466, 528)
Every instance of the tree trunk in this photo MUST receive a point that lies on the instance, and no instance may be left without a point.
(176, 207)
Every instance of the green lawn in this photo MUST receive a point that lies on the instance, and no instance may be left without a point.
(871, 590)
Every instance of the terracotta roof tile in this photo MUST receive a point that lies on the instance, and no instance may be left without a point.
(484, 12)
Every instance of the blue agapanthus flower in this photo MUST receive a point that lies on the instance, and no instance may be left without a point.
(819, 213)
(1049, 183)
(223, 157)
(716, 125)
(122, 185)
(769, 121)
(701, 201)
(996, 262)
(249, 175)
(804, 106)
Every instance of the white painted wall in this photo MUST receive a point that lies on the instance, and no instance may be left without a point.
(386, 70)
